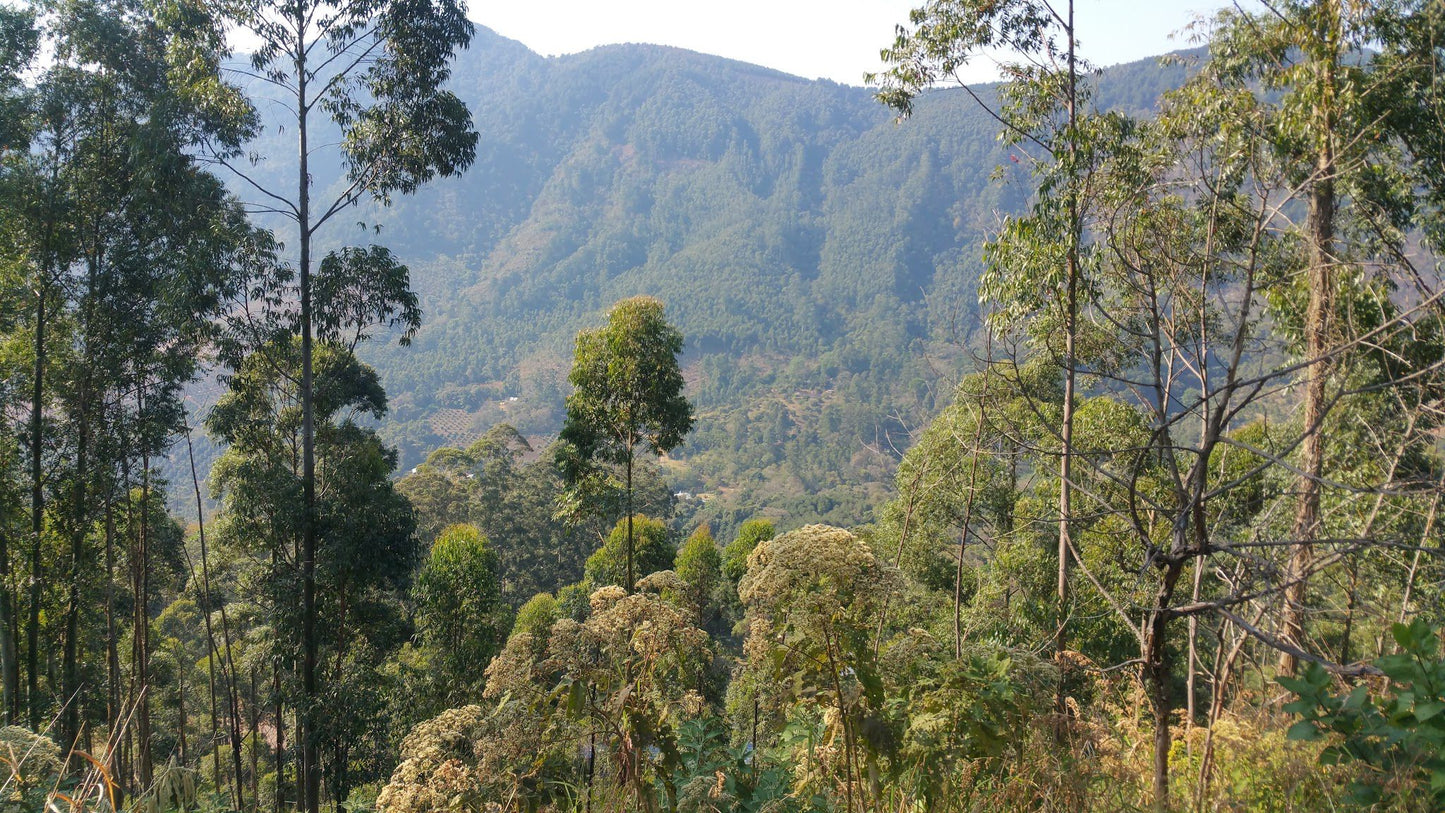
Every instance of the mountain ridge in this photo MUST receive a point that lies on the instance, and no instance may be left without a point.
(819, 256)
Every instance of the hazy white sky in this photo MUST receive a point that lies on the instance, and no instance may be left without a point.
(833, 39)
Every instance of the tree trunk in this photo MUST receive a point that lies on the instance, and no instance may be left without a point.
(1320, 226)
(1156, 677)
(1351, 603)
(69, 660)
(1071, 312)
(80, 513)
(1193, 647)
(631, 581)
(114, 712)
(215, 712)
(9, 664)
(310, 775)
(1157, 663)
(141, 633)
(37, 517)
(228, 675)
(181, 709)
(279, 802)
(963, 539)
(255, 721)
(79, 519)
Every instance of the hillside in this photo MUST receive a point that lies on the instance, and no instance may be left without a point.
(818, 255)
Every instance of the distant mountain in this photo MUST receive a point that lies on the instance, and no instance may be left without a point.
(819, 257)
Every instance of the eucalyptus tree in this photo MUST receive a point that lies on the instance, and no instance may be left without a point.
(699, 566)
(628, 394)
(128, 248)
(18, 42)
(644, 543)
(1345, 119)
(366, 547)
(956, 482)
(1037, 266)
(1195, 300)
(375, 70)
(460, 613)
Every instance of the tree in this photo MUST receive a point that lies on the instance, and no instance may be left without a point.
(19, 39)
(512, 501)
(699, 565)
(1336, 135)
(628, 393)
(735, 555)
(954, 482)
(460, 614)
(1038, 264)
(641, 544)
(366, 545)
(375, 69)
(813, 596)
(734, 564)
(127, 249)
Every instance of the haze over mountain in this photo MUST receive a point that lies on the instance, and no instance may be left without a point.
(819, 256)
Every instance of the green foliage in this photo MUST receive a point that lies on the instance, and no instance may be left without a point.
(812, 598)
(735, 565)
(653, 550)
(825, 266)
(366, 548)
(735, 555)
(358, 289)
(30, 771)
(1397, 734)
(954, 487)
(637, 666)
(713, 777)
(536, 617)
(460, 613)
(573, 602)
(628, 386)
(497, 485)
(699, 565)
(628, 679)
(628, 393)
(973, 710)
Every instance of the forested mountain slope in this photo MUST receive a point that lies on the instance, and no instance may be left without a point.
(819, 257)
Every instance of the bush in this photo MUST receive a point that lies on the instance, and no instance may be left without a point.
(30, 765)
(1397, 735)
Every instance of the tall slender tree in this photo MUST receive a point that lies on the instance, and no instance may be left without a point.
(129, 246)
(628, 394)
(1036, 265)
(374, 69)
(1329, 125)
(19, 40)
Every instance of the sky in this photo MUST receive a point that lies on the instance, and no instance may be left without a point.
(829, 39)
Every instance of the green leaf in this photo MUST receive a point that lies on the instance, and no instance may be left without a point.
(1303, 731)
(576, 698)
(1405, 635)
(1428, 710)
(1297, 685)
(1356, 698)
(1363, 795)
(1437, 781)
